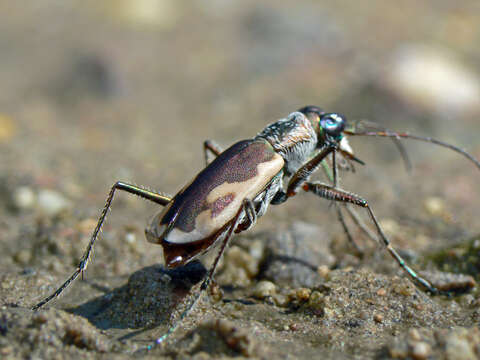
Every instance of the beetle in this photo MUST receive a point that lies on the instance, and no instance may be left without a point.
(236, 188)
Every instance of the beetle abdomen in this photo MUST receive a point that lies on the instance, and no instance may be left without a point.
(215, 195)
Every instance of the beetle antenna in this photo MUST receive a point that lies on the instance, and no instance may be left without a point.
(369, 125)
(406, 135)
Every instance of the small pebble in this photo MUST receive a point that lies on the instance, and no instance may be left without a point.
(257, 249)
(239, 258)
(158, 13)
(280, 300)
(316, 300)
(303, 294)
(323, 271)
(52, 202)
(131, 239)
(418, 306)
(458, 347)
(294, 327)
(398, 351)
(421, 350)
(435, 206)
(378, 318)
(381, 292)
(23, 257)
(24, 197)
(239, 340)
(422, 76)
(414, 335)
(216, 292)
(264, 289)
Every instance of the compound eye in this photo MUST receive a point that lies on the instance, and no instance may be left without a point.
(333, 124)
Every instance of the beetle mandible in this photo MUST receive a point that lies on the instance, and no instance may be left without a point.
(236, 188)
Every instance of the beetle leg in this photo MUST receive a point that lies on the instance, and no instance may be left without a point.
(361, 225)
(132, 189)
(206, 282)
(300, 177)
(332, 175)
(330, 193)
(279, 198)
(355, 217)
(302, 174)
(235, 222)
(250, 217)
(210, 146)
(337, 206)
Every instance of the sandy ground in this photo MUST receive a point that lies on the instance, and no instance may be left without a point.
(129, 90)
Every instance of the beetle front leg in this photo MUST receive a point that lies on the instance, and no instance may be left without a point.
(82, 266)
(330, 193)
(301, 176)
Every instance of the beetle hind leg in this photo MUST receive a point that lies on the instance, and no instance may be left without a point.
(331, 193)
(359, 222)
(82, 266)
(210, 146)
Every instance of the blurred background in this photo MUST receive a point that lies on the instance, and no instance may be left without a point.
(97, 91)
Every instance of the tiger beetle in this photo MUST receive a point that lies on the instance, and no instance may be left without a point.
(235, 189)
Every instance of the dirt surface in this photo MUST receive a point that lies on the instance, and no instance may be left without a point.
(95, 92)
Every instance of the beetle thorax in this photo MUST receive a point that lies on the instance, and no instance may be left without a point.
(293, 138)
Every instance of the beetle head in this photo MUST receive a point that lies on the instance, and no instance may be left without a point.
(330, 127)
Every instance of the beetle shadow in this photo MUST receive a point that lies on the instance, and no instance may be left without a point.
(145, 301)
(288, 270)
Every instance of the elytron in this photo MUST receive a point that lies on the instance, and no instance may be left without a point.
(236, 188)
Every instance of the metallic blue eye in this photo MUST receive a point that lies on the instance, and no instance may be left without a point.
(333, 124)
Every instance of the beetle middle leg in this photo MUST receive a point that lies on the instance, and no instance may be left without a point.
(246, 207)
(331, 193)
(232, 226)
(82, 266)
